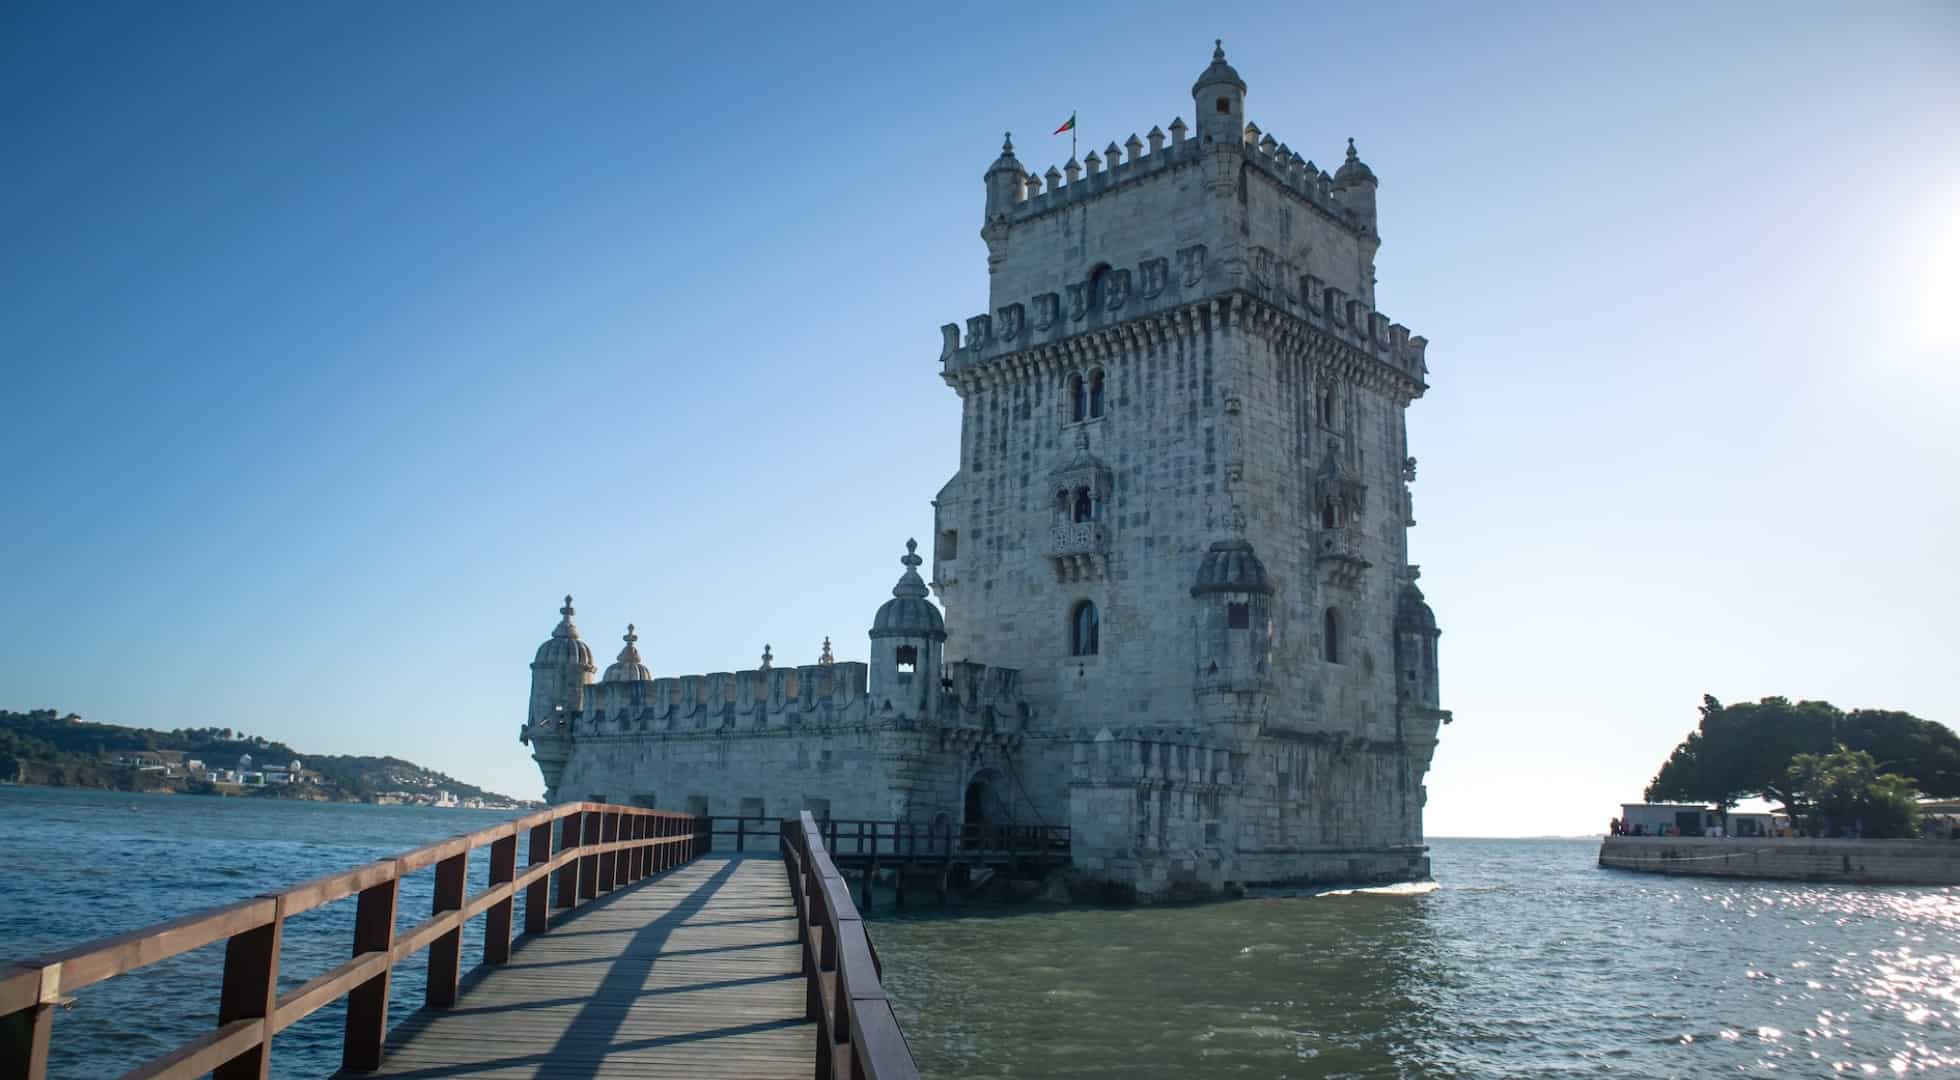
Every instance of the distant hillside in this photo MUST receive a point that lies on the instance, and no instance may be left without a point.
(43, 747)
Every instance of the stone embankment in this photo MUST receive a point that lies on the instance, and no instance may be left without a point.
(1872, 862)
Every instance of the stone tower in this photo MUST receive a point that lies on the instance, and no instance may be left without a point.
(1182, 497)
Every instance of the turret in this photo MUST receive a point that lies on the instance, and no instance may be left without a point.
(1004, 181)
(907, 637)
(559, 672)
(1354, 186)
(1220, 97)
(1415, 648)
(1234, 634)
(628, 667)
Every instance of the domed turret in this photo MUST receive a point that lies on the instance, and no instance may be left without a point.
(559, 673)
(1234, 600)
(908, 613)
(1412, 611)
(1354, 186)
(564, 646)
(628, 667)
(1415, 648)
(1220, 97)
(1231, 566)
(906, 637)
(1005, 180)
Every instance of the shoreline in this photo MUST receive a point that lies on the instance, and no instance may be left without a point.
(1857, 862)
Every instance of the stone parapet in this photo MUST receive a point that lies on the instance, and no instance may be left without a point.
(1876, 862)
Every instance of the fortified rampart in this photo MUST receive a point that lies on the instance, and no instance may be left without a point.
(1868, 862)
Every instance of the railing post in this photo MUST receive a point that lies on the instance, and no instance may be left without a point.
(537, 896)
(496, 924)
(367, 1004)
(588, 865)
(24, 1034)
(608, 860)
(251, 991)
(570, 832)
(446, 952)
(633, 825)
(741, 833)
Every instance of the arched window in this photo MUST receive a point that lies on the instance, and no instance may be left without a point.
(1085, 507)
(1063, 501)
(1328, 516)
(1098, 287)
(1330, 636)
(1078, 398)
(1084, 631)
(1327, 408)
(1095, 393)
(908, 660)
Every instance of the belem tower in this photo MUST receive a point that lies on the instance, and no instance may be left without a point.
(1175, 608)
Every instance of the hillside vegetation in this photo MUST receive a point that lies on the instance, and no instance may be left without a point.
(45, 747)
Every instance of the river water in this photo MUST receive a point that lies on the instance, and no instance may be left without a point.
(1524, 960)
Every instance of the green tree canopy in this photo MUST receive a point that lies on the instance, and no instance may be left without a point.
(1842, 793)
(1746, 750)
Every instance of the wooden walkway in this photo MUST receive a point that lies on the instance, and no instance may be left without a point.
(692, 973)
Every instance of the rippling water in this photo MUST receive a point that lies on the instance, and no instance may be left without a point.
(1525, 960)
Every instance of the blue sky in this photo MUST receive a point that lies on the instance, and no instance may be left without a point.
(337, 343)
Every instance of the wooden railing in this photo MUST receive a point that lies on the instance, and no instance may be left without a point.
(599, 848)
(898, 841)
(857, 1034)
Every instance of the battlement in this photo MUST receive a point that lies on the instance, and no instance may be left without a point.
(975, 695)
(1155, 288)
(1119, 167)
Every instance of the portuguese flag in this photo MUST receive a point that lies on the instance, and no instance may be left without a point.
(1067, 125)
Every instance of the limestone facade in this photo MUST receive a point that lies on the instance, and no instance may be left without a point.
(1178, 612)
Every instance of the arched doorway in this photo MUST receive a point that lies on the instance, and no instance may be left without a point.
(984, 807)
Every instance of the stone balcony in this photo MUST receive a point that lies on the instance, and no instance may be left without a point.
(1079, 550)
(1337, 553)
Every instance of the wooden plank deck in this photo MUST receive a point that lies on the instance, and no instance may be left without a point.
(693, 973)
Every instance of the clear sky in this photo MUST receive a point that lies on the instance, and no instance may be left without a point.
(337, 342)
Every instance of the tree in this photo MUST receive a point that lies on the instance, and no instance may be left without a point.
(1843, 793)
(1746, 750)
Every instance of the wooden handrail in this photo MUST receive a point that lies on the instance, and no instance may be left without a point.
(601, 847)
(857, 1033)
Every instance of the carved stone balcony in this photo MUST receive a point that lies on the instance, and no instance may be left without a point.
(1079, 550)
(1337, 553)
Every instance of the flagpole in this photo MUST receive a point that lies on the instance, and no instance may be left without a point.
(1073, 123)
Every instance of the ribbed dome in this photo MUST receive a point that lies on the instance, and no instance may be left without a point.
(628, 668)
(1231, 567)
(1412, 612)
(1353, 169)
(564, 648)
(1218, 72)
(908, 613)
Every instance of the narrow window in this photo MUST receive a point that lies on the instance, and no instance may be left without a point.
(949, 544)
(1330, 636)
(1225, 106)
(1078, 398)
(1085, 507)
(1238, 616)
(1327, 515)
(1327, 408)
(1063, 502)
(1095, 393)
(1084, 632)
(908, 659)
